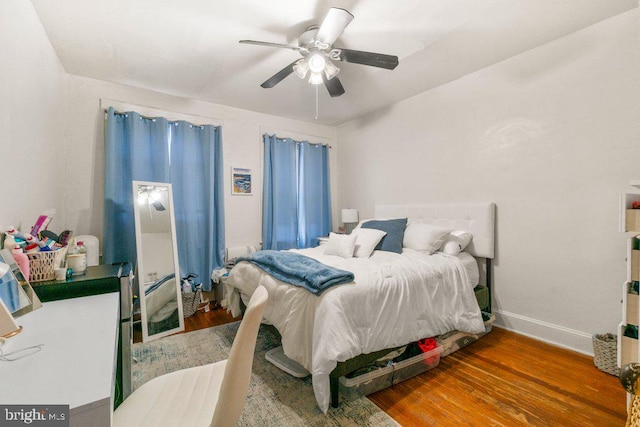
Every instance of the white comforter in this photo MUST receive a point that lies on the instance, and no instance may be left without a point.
(395, 299)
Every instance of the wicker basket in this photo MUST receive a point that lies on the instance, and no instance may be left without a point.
(605, 353)
(42, 265)
(190, 302)
(633, 413)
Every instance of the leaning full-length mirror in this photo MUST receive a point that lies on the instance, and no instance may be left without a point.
(158, 273)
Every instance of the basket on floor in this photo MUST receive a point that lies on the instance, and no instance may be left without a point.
(605, 354)
(42, 265)
(633, 414)
(190, 302)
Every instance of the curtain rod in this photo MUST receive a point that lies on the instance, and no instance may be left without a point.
(159, 117)
(300, 142)
(150, 112)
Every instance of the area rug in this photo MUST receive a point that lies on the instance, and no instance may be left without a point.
(275, 398)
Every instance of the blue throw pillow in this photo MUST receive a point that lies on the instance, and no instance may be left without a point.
(394, 228)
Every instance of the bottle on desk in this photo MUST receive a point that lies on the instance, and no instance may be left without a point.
(77, 258)
(9, 242)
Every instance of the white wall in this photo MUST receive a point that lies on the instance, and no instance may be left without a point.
(552, 136)
(242, 145)
(31, 118)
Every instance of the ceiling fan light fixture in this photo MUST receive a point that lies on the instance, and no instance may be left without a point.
(301, 68)
(315, 79)
(315, 46)
(330, 70)
(317, 62)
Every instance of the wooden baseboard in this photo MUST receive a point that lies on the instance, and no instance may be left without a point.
(560, 336)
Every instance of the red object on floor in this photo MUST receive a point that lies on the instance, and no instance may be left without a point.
(428, 344)
(635, 205)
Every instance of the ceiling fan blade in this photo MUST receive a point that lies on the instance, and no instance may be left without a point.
(279, 76)
(333, 86)
(369, 58)
(285, 46)
(333, 25)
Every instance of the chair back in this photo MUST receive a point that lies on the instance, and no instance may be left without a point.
(237, 373)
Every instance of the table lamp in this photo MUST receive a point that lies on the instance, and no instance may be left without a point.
(349, 219)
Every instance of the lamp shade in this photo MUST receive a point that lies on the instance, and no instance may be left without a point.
(330, 70)
(301, 68)
(315, 79)
(349, 216)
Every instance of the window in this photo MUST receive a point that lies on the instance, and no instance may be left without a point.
(296, 194)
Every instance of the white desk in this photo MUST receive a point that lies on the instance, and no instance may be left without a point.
(75, 366)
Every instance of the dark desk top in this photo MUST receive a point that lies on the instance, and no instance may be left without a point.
(98, 279)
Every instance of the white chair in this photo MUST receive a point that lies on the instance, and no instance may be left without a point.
(204, 395)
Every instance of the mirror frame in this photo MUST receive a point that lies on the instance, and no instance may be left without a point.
(140, 262)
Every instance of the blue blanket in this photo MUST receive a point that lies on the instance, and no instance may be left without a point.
(299, 270)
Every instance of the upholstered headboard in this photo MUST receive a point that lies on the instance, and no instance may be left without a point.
(476, 218)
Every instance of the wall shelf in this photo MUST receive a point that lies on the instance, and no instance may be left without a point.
(628, 342)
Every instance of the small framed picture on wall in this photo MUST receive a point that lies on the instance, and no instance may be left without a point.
(241, 182)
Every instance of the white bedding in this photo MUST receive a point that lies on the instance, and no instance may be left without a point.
(395, 299)
(471, 265)
(161, 302)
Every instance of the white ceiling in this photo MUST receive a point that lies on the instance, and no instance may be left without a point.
(190, 48)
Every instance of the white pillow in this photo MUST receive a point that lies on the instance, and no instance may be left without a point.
(341, 245)
(367, 240)
(423, 237)
(456, 242)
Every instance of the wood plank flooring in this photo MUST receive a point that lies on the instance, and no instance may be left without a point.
(504, 379)
(507, 379)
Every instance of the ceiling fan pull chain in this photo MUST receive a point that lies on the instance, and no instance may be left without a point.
(316, 101)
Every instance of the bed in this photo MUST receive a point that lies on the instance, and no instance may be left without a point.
(395, 298)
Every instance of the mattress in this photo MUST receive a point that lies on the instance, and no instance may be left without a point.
(395, 299)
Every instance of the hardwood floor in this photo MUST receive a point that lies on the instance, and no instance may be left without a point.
(202, 319)
(504, 379)
(507, 379)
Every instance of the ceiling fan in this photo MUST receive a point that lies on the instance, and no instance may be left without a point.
(318, 53)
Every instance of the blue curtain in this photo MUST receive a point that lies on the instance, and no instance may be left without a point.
(314, 196)
(190, 158)
(136, 148)
(197, 180)
(296, 196)
(279, 194)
